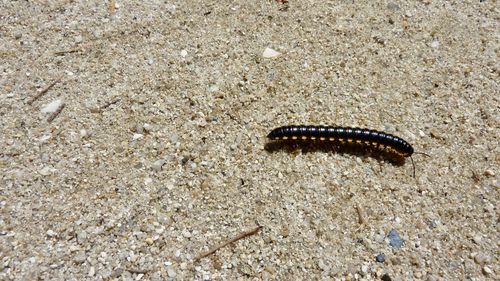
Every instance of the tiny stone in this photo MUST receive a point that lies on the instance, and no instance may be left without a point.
(51, 233)
(435, 44)
(270, 53)
(394, 239)
(184, 53)
(477, 239)
(81, 236)
(148, 181)
(386, 277)
(80, 258)
(52, 106)
(91, 271)
(158, 164)
(78, 39)
(45, 171)
(137, 136)
(487, 270)
(481, 258)
(171, 272)
(149, 241)
(84, 133)
(489, 173)
(213, 88)
(147, 127)
(18, 34)
(380, 258)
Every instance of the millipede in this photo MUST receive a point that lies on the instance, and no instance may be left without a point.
(372, 138)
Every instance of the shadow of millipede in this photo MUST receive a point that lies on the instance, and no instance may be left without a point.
(308, 146)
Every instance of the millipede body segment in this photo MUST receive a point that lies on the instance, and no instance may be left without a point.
(377, 139)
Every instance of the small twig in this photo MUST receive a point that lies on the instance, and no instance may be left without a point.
(54, 115)
(138, 271)
(43, 91)
(109, 103)
(60, 53)
(224, 244)
(361, 214)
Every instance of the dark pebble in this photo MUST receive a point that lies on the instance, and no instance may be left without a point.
(394, 239)
(386, 277)
(380, 258)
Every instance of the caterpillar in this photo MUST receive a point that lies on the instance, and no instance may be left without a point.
(372, 138)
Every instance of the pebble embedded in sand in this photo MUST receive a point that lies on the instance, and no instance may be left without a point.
(52, 106)
(270, 53)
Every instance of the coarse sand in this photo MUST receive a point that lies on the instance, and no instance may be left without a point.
(133, 139)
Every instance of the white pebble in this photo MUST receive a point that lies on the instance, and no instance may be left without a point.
(171, 272)
(158, 164)
(137, 137)
(184, 53)
(270, 53)
(45, 171)
(52, 106)
(435, 44)
(148, 181)
(51, 233)
(139, 276)
(92, 271)
(487, 270)
(213, 88)
(147, 127)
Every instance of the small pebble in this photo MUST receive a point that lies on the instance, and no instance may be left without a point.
(158, 164)
(394, 239)
(18, 34)
(213, 88)
(477, 239)
(435, 44)
(52, 106)
(51, 233)
(270, 53)
(92, 271)
(80, 258)
(45, 171)
(489, 173)
(147, 127)
(386, 277)
(380, 258)
(184, 53)
(171, 272)
(84, 133)
(487, 270)
(137, 137)
(481, 258)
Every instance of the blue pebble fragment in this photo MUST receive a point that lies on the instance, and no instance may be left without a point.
(380, 258)
(394, 239)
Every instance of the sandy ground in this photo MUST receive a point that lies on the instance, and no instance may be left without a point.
(158, 153)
